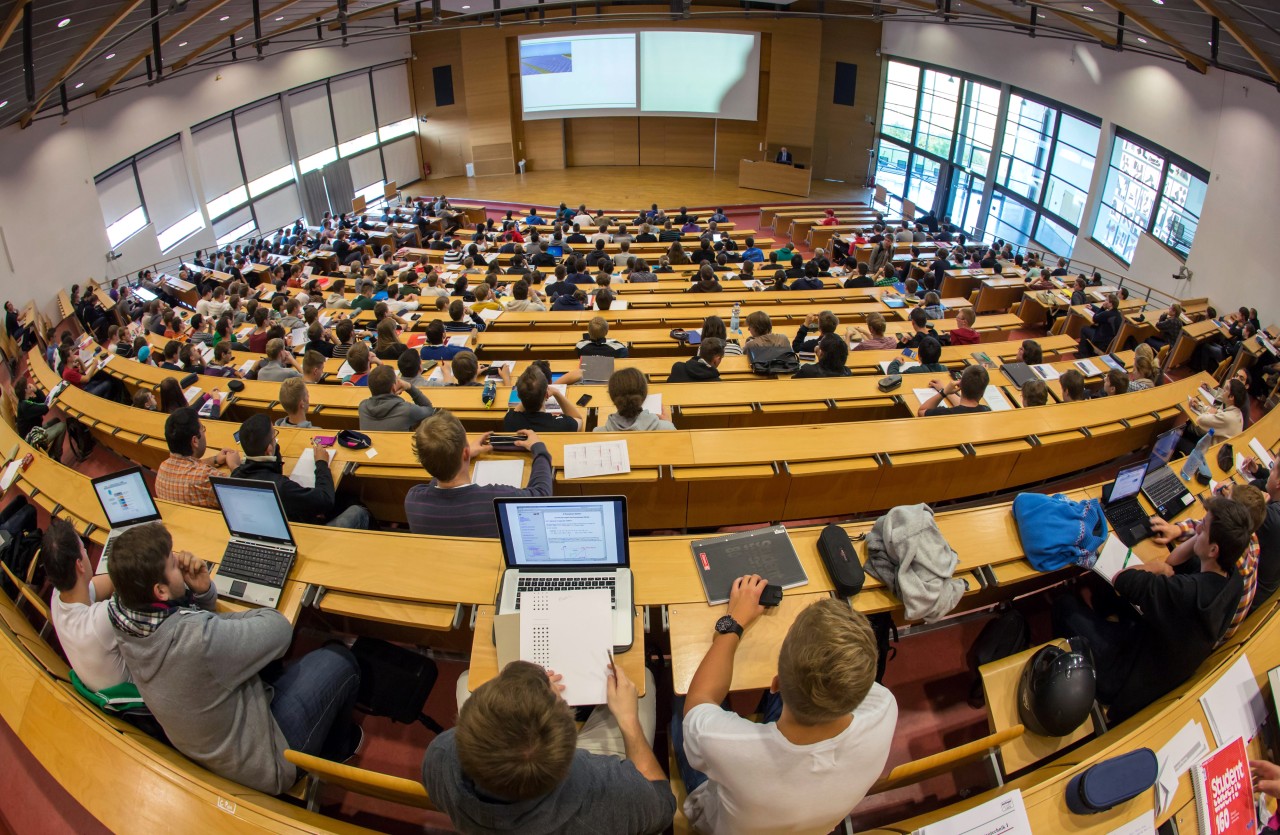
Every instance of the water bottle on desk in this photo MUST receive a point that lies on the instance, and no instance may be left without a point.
(1195, 461)
(490, 393)
(733, 320)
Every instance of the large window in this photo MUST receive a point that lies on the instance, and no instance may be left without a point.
(166, 185)
(1148, 190)
(121, 203)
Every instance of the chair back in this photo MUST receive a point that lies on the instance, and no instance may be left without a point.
(944, 761)
(362, 780)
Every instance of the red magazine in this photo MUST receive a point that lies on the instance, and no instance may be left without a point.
(1224, 792)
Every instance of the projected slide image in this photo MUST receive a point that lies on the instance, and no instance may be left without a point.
(543, 57)
(697, 73)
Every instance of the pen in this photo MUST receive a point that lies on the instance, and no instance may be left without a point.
(1128, 555)
(610, 654)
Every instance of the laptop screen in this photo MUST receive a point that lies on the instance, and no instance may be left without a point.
(252, 510)
(1128, 482)
(125, 498)
(1164, 448)
(564, 532)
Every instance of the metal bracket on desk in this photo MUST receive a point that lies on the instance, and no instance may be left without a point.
(457, 616)
(318, 409)
(676, 411)
(310, 594)
(831, 403)
(756, 407)
(89, 529)
(967, 449)
(1034, 440)
(898, 401)
(666, 618)
(987, 576)
(1125, 423)
(272, 405)
(472, 619)
(644, 618)
(35, 491)
(883, 459)
(57, 508)
(142, 439)
(1087, 432)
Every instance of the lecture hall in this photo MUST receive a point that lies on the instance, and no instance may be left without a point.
(436, 417)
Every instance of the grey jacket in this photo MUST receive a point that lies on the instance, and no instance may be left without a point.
(391, 413)
(906, 552)
(644, 422)
(198, 674)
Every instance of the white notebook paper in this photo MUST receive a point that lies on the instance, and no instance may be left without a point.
(1046, 372)
(1234, 705)
(570, 632)
(303, 473)
(505, 471)
(600, 458)
(1004, 815)
(995, 400)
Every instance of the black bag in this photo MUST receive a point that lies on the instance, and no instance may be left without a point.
(841, 560)
(19, 539)
(82, 440)
(1004, 635)
(772, 361)
(886, 636)
(394, 682)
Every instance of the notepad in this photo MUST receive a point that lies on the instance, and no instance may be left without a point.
(192, 393)
(506, 472)
(489, 314)
(653, 403)
(570, 632)
(595, 459)
(995, 400)
(1143, 824)
(1114, 557)
(10, 473)
(345, 370)
(1004, 815)
(1234, 705)
(1263, 455)
(303, 473)
(460, 340)
(1087, 368)
(902, 367)
(1046, 372)
(1187, 748)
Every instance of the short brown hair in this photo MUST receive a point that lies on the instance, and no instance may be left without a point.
(382, 380)
(292, 391)
(1035, 393)
(311, 361)
(438, 442)
(1229, 529)
(358, 357)
(827, 663)
(967, 316)
(875, 323)
(1119, 380)
(1032, 353)
(137, 563)
(465, 367)
(598, 327)
(531, 388)
(628, 389)
(515, 737)
(759, 322)
(59, 552)
(1072, 383)
(1254, 501)
(973, 382)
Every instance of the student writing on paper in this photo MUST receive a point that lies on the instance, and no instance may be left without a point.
(532, 389)
(450, 505)
(1183, 616)
(825, 736)
(956, 397)
(515, 761)
(628, 390)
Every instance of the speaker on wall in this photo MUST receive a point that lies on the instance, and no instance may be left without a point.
(443, 78)
(846, 83)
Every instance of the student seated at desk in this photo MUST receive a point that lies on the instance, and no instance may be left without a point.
(921, 330)
(204, 675)
(824, 323)
(523, 300)
(932, 306)
(1268, 533)
(359, 358)
(873, 338)
(532, 389)
(704, 367)
(861, 278)
(280, 364)
(628, 389)
(760, 328)
(385, 410)
(78, 609)
(257, 340)
(1106, 324)
(956, 397)
(1116, 382)
(596, 341)
(1144, 369)
(1226, 422)
(31, 412)
(1073, 390)
(1169, 326)
(1030, 352)
(1035, 393)
(388, 345)
(930, 352)
(516, 762)
(965, 334)
(575, 300)
(831, 353)
(183, 477)
(706, 281)
(1139, 658)
(826, 732)
(295, 399)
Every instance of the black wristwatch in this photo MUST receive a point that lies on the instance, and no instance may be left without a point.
(727, 625)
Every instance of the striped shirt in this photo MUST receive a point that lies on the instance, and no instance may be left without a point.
(182, 478)
(468, 510)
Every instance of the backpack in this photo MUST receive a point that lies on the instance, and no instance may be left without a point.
(82, 440)
(38, 437)
(886, 632)
(768, 362)
(1006, 634)
(394, 682)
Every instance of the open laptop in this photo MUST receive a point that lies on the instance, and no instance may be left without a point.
(567, 542)
(126, 502)
(597, 369)
(1128, 518)
(261, 550)
(1161, 485)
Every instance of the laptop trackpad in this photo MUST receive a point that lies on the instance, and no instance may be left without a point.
(1138, 533)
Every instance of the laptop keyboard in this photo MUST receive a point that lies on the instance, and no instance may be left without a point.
(1125, 515)
(566, 584)
(1164, 489)
(256, 565)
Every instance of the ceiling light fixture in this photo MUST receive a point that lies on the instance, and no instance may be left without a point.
(63, 22)
(1158, 2)
(1088, 8)
(280, 18)
(239, 37)
(464, 8)
(1142, 40)
(3, 103)
(184, 43)
(225, 17)
(108, 56)
(81, 84)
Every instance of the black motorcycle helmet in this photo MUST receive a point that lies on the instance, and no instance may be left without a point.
(1057, 689)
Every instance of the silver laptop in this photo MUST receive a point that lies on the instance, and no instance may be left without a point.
(567, 542)
(261, 550)
(1161, 485)
(597, 369)
(126, 502)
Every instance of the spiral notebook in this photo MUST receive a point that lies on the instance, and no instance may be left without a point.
(766, 551)
(1223, 789)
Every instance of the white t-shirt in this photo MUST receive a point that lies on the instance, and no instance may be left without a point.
(759, 782)
(89, 641)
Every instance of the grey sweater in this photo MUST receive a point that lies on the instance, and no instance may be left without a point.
(198, 674)
(643, 422)
(601, 794)
(391, 413)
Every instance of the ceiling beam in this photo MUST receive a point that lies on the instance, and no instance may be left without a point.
(1146, 24)
(1237, 31)
(186, 60)
(12, 21)
(369, 12)
(1083, 25)
(133, 63)
(122, 11)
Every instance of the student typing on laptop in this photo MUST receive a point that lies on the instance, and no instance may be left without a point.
(202, 673)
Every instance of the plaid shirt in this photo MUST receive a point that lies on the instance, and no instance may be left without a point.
(184, 479)
(1247, 565)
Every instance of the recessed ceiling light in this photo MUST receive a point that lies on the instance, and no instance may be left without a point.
(280, 18)
(1040, 15)
(1158, 2)
(184, 43)
(465, 8)
(3, 103)
(1088, 8)
(225, 17)
(108, 56)
(63, 22)
(1142, 40)
(81, 84)
(239, 37)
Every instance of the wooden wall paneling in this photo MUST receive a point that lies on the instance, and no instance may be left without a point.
(488, 95)
(795, 56)
(602, 141)
(683, 141)
(544, 141)
(444, 141)
(842, 135)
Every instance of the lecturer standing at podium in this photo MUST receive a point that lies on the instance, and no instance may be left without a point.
(784, 156)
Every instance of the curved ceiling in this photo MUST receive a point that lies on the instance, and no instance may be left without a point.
(66, 53)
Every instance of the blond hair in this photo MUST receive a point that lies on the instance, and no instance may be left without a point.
(827, 663)
(438, 443)
(292, 391)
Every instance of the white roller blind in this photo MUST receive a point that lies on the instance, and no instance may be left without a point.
(166, 186)
(234, 226)
(118, 195)
(262, 140)
(352, 106)
(312, 127)
(217, 158)
(366, 169)
(278, 209)
(391, 92)
(401, 158)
